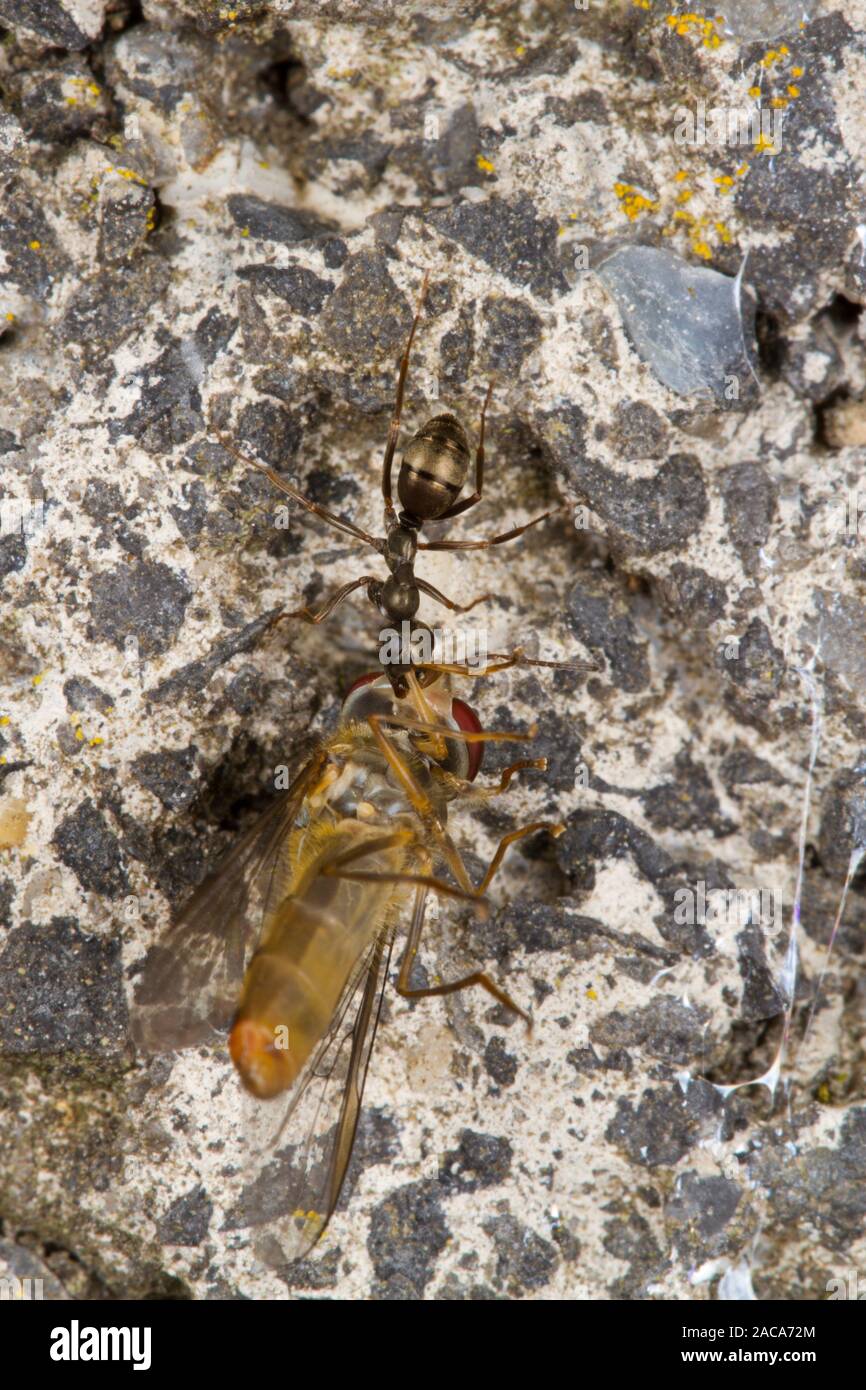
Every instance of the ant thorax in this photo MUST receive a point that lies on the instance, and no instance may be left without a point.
(401, 544)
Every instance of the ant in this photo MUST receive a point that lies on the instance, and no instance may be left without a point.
(432, 474)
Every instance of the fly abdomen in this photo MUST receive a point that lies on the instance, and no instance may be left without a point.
(295, 979)
(284, 1009)
(434, 468)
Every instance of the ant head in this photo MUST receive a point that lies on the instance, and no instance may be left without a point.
(398, 677)
(404, 649)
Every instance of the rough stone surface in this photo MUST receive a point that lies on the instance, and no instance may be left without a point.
(214, 224)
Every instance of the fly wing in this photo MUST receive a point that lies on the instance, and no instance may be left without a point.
(300, 1150)
(188, 989)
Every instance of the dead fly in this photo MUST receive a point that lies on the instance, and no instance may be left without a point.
(288, 946)
(431, 478)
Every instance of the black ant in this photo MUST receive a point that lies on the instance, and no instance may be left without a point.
(431, 478)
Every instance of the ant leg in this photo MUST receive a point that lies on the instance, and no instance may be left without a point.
(502, 662)
(491, 540)
(452, 668)
(301, 500)
(306, 615)
(468, 502)
(429, 590)
(478, 977)
(394, 428)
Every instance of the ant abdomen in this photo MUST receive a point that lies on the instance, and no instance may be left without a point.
(434, 468)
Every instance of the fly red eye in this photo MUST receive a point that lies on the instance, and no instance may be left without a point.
(466, 719)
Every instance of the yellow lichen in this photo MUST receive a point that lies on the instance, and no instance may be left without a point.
(632, 202)
(684, 24)
(129, 174)
(764, 146)
(14, 819)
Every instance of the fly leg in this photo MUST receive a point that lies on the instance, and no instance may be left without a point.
(554, 828)
(473, 792)
(477, 977)
(338, 869)
(415, 792)
(418, 798)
